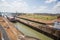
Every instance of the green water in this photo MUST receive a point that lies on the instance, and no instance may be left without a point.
(30, 32)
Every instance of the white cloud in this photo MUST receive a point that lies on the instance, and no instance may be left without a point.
(22, 6)
(49, 1)
(40, 9)
(4, 6)
(19, 6)
(56, 8)
(2, 0)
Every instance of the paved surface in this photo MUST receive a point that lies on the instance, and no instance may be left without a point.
(5, 36)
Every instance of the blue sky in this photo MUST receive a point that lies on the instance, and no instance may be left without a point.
(30, 6)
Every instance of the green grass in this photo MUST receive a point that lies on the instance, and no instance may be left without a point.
(44, 17)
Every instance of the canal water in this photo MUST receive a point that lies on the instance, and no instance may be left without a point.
(30, 32)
